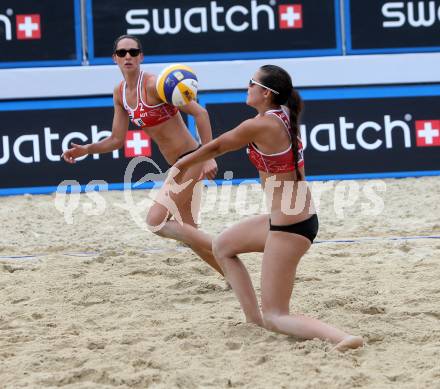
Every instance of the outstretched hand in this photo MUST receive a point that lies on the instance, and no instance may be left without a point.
(77, 151)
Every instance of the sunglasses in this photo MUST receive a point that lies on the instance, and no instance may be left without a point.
(123, 52)
(253, 82)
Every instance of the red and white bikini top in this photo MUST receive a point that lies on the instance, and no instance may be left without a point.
(279, 162)
(145, 115)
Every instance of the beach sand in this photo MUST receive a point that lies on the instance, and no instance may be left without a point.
(101, 303)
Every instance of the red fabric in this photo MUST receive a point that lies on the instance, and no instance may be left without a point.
(146, 115)
(276, 163)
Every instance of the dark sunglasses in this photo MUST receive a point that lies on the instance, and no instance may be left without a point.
(253, 82)
(123, 52)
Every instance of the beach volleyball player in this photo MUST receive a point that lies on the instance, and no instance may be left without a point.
(284, 235)
(136, 99)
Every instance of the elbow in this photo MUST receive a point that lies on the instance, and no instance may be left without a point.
(117, 143)
(218, 148)
(203, 112)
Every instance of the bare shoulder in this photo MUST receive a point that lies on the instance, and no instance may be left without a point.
(253, 126)
(150, 80)
(266, 121)
(262, 127)
(150, 85)
(117, 88)
(117, 93)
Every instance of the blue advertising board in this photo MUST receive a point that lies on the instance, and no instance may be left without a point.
(348, 133)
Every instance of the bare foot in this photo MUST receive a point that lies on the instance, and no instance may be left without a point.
(349, 342)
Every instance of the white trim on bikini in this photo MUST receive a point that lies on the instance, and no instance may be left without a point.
(124, 99)
(138, 95)
(271, 155)
(142, 100)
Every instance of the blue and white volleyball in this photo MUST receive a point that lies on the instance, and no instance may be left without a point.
(177, 85)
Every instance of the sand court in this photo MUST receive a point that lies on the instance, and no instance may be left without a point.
(102, 303)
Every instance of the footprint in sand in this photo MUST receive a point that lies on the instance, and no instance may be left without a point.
(233, 346)
(170, 261)
(262, 359)
(140, 272)
(178, 335)
(20, 300)
(191, 345)
(209, 288)
(182, 284)
(96, 345)
(373, 310)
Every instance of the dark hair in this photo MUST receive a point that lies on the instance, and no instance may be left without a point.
(278, 79)
(119, 38)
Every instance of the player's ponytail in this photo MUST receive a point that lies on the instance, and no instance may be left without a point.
(279, 80)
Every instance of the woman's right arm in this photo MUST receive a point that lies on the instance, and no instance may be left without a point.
(113, 142)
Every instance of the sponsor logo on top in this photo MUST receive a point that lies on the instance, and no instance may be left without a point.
(214, 17)
(418, 14)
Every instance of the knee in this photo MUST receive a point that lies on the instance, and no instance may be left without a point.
(155, 222)
(220, 248)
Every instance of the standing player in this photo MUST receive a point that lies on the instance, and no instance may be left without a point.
(137, 100)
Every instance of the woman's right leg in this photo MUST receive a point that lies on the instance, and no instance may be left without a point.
(183, 228)
(246, 236)
(187, 233)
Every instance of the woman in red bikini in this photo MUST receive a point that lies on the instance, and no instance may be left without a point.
(284, 236)
(136, 99)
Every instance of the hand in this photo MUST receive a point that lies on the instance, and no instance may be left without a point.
(76, 151)
(209, 170)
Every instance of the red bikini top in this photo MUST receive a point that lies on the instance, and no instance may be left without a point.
(279, 162)
(145, 115)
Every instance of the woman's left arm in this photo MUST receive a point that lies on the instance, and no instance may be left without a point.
(203, 124)
(201, 118)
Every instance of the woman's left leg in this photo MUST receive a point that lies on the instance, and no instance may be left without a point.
(282, 254)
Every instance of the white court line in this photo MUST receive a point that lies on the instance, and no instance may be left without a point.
(366, 239)
(85, 254)
(21, 258)
(372, 239)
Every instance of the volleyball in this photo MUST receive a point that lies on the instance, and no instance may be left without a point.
(177, 85)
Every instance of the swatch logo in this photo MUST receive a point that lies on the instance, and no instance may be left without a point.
(212, 16)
